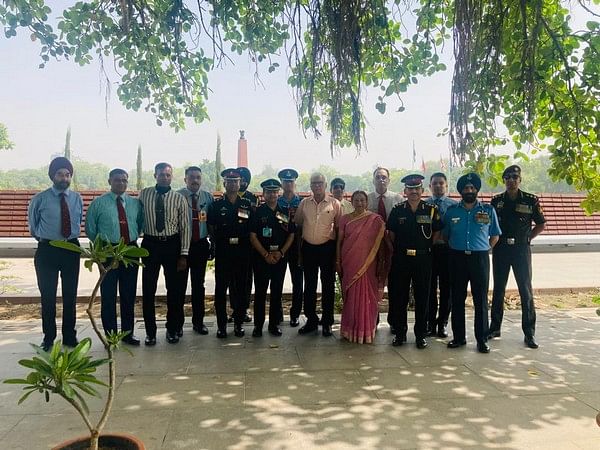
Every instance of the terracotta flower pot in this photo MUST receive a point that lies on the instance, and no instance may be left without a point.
(109, 440)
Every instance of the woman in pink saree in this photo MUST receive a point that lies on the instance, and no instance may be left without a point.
(362, 269)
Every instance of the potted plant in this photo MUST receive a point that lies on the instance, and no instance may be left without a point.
(71, 373)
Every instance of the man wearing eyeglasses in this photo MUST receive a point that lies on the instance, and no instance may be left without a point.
(516, 211)
(381, 202)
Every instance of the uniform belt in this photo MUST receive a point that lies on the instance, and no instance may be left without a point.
(512, 241)
(415, 251)
(161, 238)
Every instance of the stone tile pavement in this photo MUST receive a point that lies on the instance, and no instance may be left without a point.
(313, 392)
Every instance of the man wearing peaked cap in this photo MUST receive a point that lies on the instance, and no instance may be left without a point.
(246, 177)
(517, 211)
(56, 214)
(337, 190)
(229, 229)
(412, 226)
(289, 202)
(471, 229)
(271, 235)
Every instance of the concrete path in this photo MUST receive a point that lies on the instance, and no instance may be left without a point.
(550, 271)
(312, 392)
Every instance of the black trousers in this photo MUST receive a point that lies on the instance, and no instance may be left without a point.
(265, 274)
(404, 270)
(473, 268)
(315, 259)
(438, 316)
(49, 262)
(297, 276)
(126, 280)
(519, 258)
(161, 254)
(196, 270)
(231, 273)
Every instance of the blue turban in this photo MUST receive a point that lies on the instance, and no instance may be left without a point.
(469, 178)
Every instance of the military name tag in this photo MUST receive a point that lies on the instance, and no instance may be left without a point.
(455, 219)
(482, 217)
(234, 241)
(525, 209)
(282, 217)
(267, 232)
(243, 213)
(423, 219)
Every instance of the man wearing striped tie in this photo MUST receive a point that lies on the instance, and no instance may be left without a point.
(167, 239)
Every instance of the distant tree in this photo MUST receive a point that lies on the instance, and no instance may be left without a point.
(5, 143)
(67, 151)
(218, 165)
(139, 169)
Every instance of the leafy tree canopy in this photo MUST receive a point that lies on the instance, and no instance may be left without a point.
(5, 143)
(522, 73)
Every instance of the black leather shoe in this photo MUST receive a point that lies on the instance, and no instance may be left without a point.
(421, 343)
(201, 329)
(247, 318)
(494, 334)
(257, 332)
(327, 331)
(150, 340)
(308, 328)
(46, 346)
(172, 337)
(221, 334)
(275, 331)
(530, 342)
(294, 322)
(441, 332)
(238, 330)
(180, 332)
(455, 343)
(130, 339)
(399, 339)
(71, 342)
(482, 347)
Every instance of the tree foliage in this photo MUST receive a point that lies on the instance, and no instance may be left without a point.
(522, 73)
(5, 143)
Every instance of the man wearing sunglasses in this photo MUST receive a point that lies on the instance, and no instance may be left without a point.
(516, 210)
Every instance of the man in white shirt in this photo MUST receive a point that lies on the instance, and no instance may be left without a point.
(381, 202)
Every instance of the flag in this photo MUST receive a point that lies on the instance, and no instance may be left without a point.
(423, 167)
(414, 155)
(442, 164)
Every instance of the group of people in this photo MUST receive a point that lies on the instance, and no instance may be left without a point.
(380, 238)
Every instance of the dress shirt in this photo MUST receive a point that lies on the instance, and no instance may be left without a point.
(470, 229)
(204, 201)
(318, 220)
(44, 214)
(176, 216)
(102, 218)
(347, 207)
(443, 203)
(389, 200)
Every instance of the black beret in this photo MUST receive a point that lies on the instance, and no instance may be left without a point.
(59, 163)
(511, 169)
(287, 175)
(231, 174)
(245, 174)
(271, 185)
(468, 178)
(413, 180)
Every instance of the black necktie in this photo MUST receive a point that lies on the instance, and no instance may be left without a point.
(160, 212)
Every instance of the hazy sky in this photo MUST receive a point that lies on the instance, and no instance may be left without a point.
(37, 106)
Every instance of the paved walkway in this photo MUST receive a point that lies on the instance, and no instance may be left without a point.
(313, 392)
(550, 271)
